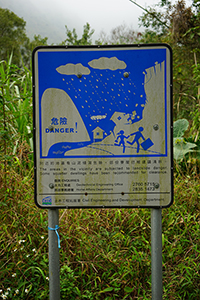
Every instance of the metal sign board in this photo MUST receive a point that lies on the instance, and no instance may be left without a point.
(103, 126)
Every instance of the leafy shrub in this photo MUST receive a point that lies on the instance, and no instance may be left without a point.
(181, 147)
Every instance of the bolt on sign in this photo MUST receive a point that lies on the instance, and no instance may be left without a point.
(103, 126)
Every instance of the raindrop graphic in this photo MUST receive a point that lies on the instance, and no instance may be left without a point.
(105, 92)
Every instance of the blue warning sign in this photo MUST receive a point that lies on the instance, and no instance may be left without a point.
(102, 126)
(102, 102)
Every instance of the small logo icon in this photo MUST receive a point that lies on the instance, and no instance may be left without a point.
(47, 200)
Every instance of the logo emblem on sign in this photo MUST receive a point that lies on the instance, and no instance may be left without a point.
(47, 200)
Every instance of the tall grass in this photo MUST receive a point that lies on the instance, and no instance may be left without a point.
(105, 253)
(15, 111)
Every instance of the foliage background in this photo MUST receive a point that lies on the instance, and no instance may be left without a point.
(105, 254)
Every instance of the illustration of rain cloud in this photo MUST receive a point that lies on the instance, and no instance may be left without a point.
(103, 63)
(73, 69)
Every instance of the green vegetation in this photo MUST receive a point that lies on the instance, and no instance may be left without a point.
(105, 253)
(72, 36)
(13, 34)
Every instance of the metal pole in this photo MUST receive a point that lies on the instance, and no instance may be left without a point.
(156, 254)
(54, 264)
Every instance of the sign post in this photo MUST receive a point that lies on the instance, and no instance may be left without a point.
(54, 263)
(156, 253)
(103, 131)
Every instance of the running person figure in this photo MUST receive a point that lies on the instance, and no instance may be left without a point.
(138, 135)
(121, 137)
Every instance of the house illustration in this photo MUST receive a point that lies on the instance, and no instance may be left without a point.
(119, 117)
(98, 134)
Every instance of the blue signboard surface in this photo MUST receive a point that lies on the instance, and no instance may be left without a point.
(102, 102)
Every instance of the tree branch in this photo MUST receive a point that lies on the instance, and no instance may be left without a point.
(150, 13)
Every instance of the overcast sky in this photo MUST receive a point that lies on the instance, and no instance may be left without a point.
(100, 14)
(49, 17)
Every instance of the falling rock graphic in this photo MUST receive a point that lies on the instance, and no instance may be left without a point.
(60, 120)
(155, 108)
